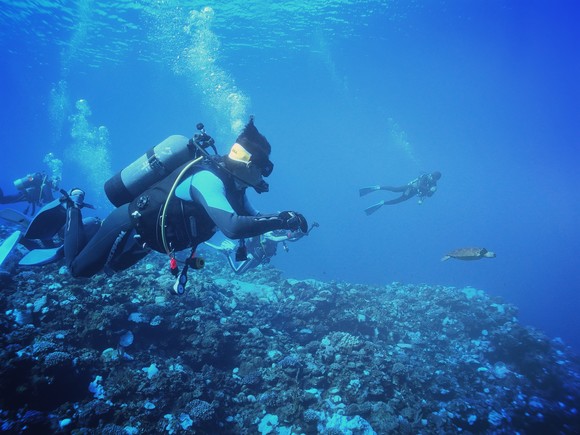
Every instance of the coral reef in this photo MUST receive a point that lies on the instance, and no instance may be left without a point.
(265, 354)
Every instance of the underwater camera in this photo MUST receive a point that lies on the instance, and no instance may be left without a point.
(242, 251)
(203, 140)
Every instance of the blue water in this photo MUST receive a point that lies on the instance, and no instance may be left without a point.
(349, 95)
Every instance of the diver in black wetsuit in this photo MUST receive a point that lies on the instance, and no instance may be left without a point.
(208, 196)
(423, 186)
(35, 189)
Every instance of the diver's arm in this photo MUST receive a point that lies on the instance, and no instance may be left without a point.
(209, 191)
(250, 208)
(431, 191)
(248, 264)
(235, 226)
(243, 266)
(11, 199)
(271, 236)
(236, 267)
(278, 239)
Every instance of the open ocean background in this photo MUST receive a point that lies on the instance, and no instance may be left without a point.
(349, 94)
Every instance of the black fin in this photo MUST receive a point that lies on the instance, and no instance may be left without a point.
(49, 220)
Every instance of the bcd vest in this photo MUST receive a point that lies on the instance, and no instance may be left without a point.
(187, 224)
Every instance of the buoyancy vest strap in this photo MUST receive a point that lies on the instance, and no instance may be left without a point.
(171, 192)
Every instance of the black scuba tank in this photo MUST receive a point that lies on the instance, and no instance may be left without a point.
(151, 167)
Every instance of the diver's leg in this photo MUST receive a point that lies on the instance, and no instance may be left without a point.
(11, 199)
(127, 250)
(74, 235)
(405, 196)
(91, 225)
(250, 263)
(91, 258)
(394, 188)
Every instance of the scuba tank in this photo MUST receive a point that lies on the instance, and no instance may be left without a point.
(155, 165)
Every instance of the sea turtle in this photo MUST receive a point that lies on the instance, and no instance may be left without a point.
(469, 254)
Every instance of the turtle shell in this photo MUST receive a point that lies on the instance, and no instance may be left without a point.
(468, 253)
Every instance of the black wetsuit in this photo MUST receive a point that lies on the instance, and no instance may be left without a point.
(207, 200)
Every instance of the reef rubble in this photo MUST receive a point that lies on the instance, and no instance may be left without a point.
(261, 353)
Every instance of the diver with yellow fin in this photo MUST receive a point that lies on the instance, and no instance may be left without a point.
(175, 197)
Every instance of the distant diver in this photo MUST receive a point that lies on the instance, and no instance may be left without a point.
(423, 186)
(42, 233)
(36, 189)
(259, 249)
(175, 197)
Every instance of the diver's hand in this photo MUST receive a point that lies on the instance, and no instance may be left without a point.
(293, 221)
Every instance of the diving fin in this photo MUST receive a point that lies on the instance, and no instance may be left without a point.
(49, 220)
(39, 257)
(8, 245)
(14, 216)
(366, 190)
(370, 210)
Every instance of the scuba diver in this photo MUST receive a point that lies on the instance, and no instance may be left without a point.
(35, 189)
(423, 186)
(185, 206)
(42, 234)
(259, 249)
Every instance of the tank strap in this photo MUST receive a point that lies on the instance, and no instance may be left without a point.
(166, 246)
